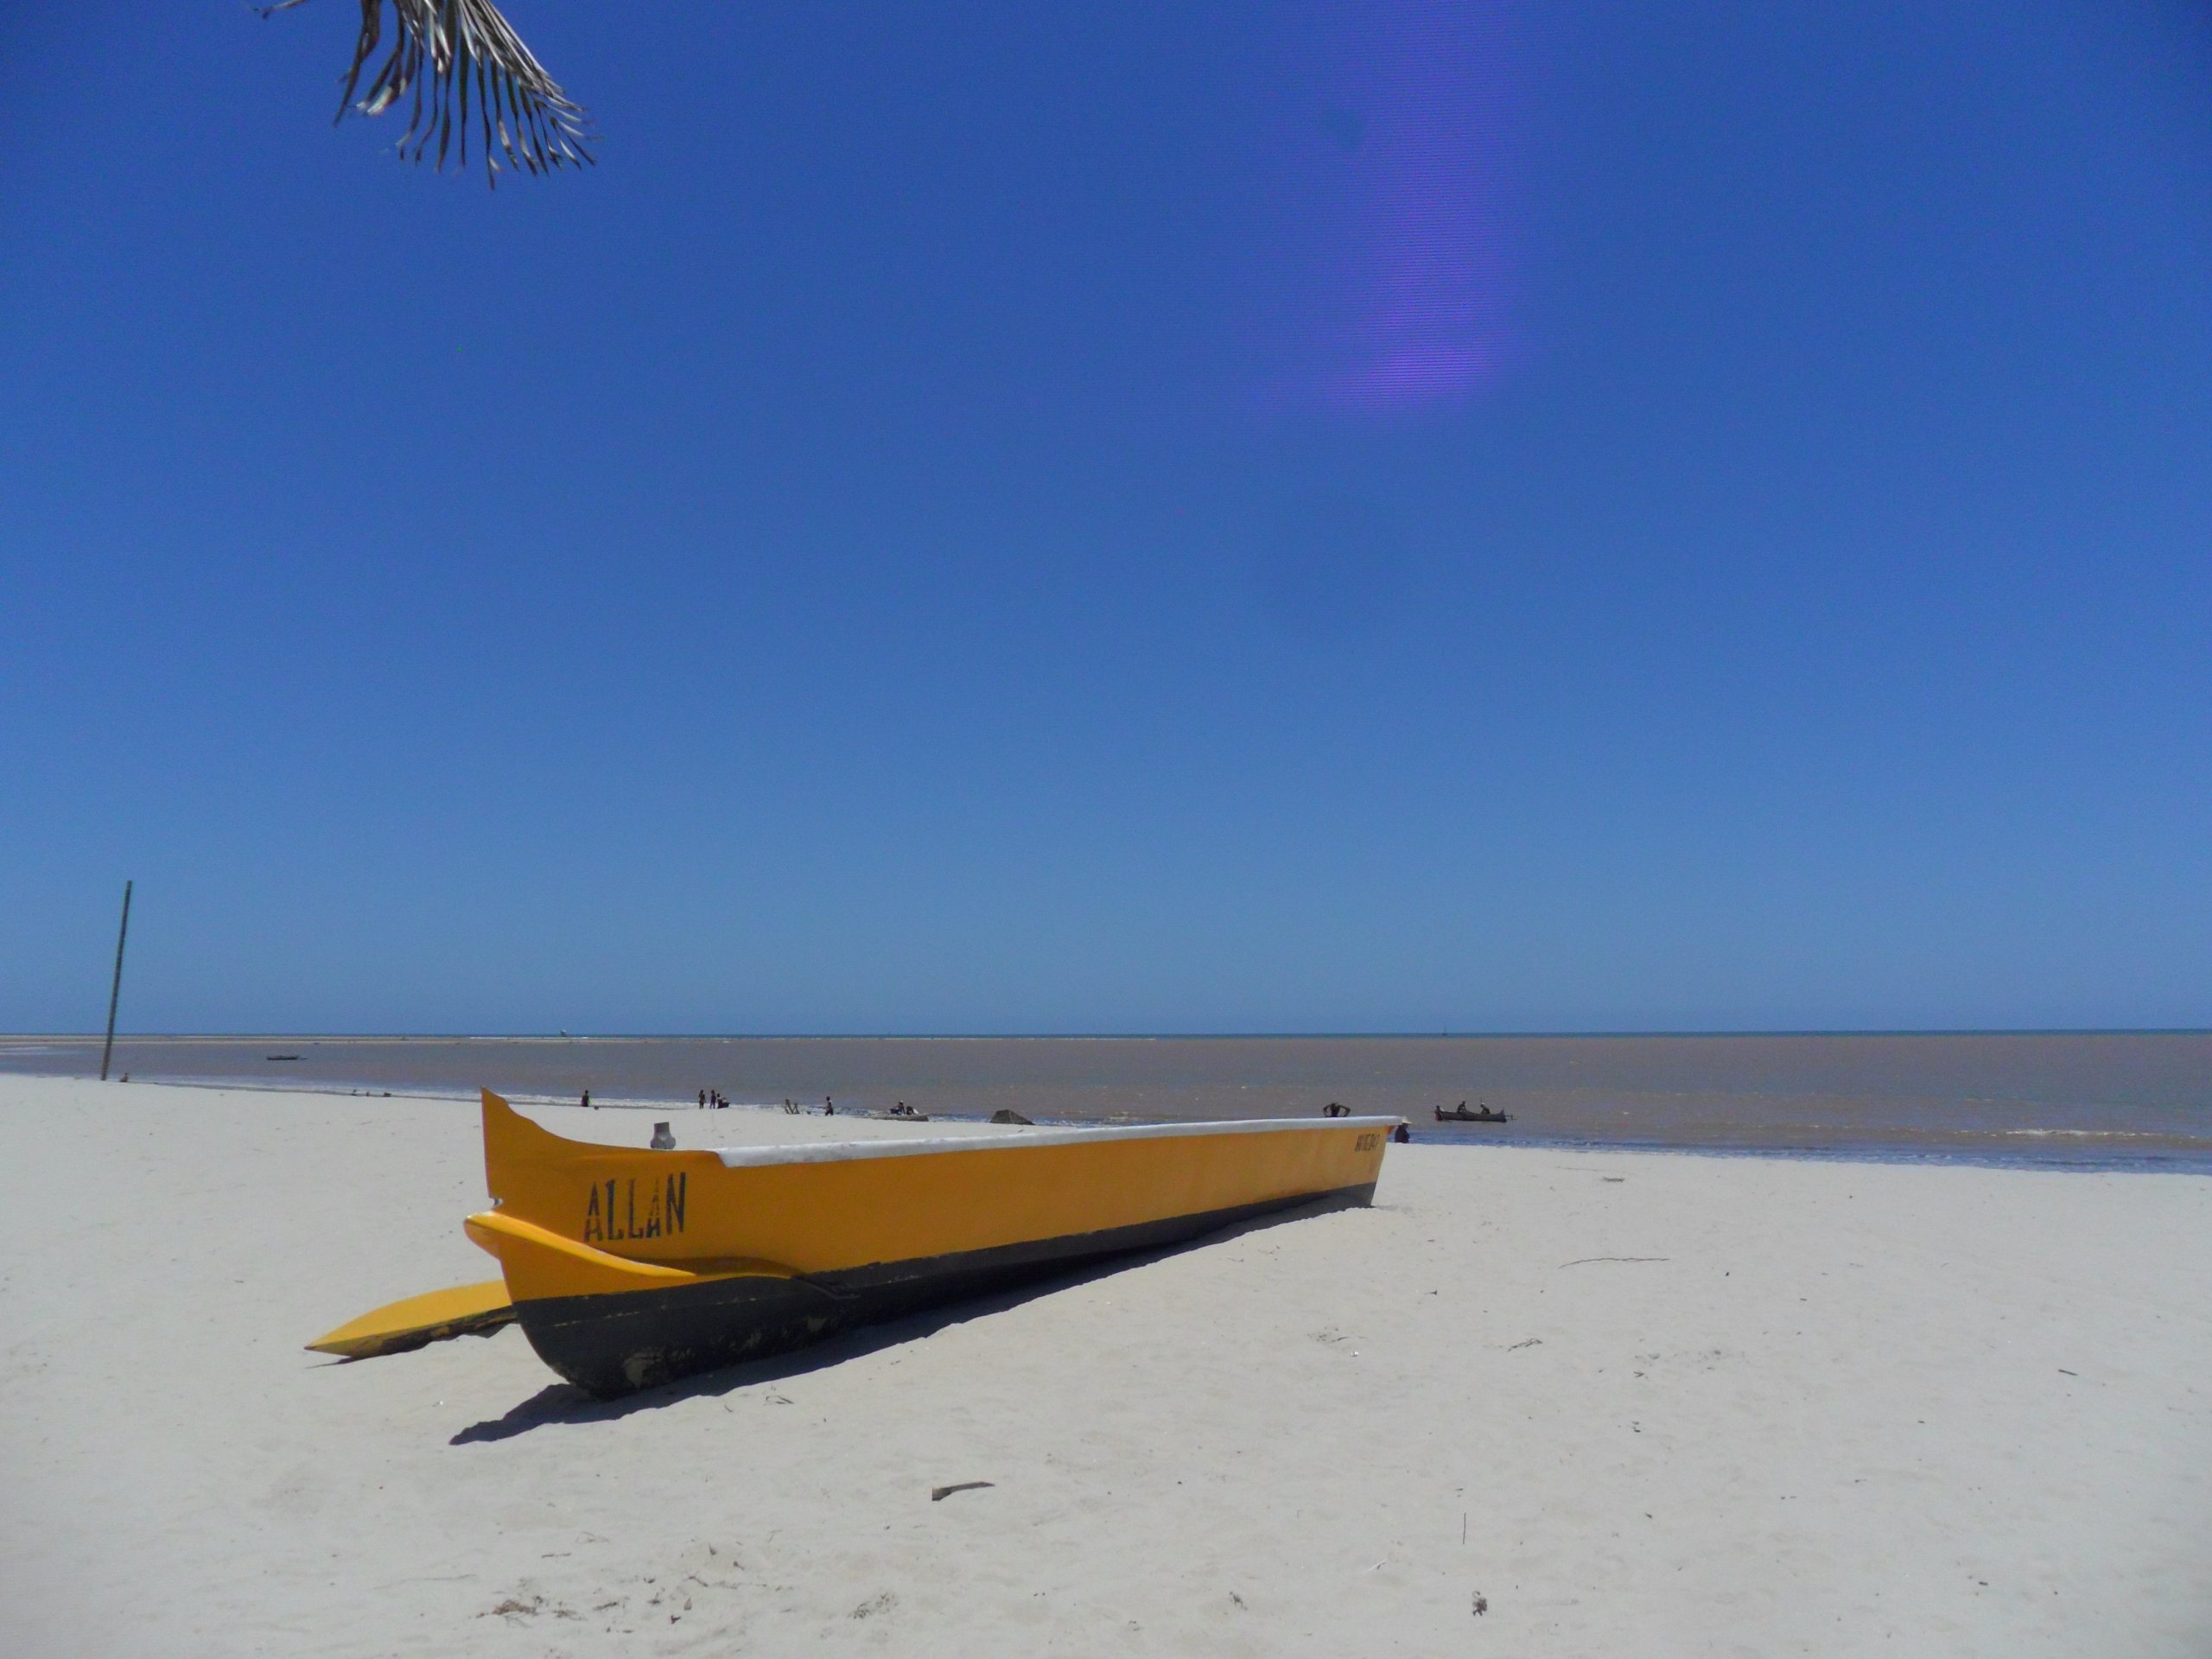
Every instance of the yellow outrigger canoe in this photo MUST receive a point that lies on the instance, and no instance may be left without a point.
(628, 1269)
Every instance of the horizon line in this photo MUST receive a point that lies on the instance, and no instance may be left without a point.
(555, 1036)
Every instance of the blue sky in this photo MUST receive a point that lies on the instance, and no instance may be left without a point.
(1118, 518)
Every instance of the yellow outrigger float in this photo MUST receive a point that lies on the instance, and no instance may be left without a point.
(628, 1269)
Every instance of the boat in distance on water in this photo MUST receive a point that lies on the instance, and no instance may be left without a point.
(1459, 1113)
(627, 1268)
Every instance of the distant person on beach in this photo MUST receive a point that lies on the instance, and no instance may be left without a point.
(829, 1107)
(587, 1096)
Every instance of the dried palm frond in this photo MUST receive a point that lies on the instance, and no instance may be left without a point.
(441, 48)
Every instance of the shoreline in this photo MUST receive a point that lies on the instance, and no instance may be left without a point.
(2198, 1163)
(1045, 1080)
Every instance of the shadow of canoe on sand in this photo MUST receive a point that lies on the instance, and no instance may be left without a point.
(564, 1404)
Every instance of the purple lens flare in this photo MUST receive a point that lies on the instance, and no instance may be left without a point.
(1388, 263)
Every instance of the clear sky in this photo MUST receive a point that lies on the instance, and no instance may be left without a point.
(1118, 516)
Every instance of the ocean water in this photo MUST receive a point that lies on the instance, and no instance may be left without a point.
(2100, 1100)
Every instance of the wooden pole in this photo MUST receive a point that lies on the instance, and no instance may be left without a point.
(114, 991)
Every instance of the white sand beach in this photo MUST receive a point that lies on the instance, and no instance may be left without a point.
(1533, 1402)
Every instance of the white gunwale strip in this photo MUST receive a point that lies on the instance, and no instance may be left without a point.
(838, 1152)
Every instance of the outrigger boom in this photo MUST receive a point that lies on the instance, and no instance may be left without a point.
(627, 1268)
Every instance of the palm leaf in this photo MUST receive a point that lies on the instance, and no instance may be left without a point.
(441, 51)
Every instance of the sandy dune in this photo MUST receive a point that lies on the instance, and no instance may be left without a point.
(1622, 1403)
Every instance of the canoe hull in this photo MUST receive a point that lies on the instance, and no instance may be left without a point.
(615, 1345)
(630, 1268)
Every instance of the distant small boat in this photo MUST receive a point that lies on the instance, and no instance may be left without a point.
(628, 1269)
(1459, 1113)
(283, 1057)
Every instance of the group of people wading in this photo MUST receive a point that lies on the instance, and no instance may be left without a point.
(708, 1098)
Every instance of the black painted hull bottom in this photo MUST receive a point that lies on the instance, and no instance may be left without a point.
(618, 1344)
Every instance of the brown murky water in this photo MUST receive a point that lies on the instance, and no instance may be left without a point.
(2099, 1099)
